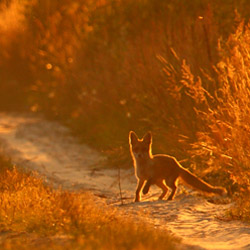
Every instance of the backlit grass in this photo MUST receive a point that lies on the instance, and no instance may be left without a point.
(103, 68)
(33, 215)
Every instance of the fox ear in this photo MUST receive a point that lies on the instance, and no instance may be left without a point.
(148, 137)
(132, 137)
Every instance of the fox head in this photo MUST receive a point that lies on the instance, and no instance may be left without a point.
(140, 148)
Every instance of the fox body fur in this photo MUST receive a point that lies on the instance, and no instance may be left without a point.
(161, 170)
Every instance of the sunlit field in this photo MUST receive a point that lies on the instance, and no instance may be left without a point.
(177, 68)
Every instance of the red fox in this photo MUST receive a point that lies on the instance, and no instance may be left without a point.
(162, 170)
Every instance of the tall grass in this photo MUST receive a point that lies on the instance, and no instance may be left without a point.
(218, 148)
(103, 68)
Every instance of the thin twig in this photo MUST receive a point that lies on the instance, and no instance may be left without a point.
(119, 183)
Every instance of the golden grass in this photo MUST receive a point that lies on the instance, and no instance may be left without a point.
(107, 67)
(35, 215)
(221, 147)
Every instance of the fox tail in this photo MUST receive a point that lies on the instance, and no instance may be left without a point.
(199, 184)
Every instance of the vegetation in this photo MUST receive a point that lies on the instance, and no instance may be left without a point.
(35, 215)
(178, 68)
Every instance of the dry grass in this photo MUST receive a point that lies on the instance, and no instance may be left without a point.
(107, 67)
(220, 149)
(35, 215)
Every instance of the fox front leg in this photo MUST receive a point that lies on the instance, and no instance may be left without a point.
(138, 190)
(147, 186)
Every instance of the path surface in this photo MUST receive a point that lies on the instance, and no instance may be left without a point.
(48, 148)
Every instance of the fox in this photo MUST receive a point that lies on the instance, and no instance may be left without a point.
(162, 170)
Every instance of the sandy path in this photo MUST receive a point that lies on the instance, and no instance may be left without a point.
(49, 148)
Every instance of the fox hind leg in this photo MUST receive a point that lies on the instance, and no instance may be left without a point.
(164, 188)
(173, 186)
(158, 183)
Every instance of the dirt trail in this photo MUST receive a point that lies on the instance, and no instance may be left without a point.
(48, 148)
